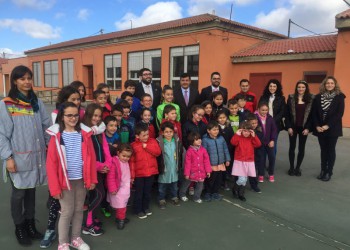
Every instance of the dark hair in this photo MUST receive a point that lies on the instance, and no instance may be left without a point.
(89, 113)
(129, 83)
(194, 109)
(117, 107)
(97, 92)
(109, 119)
(279, 91)
(206, 103)
(307, 96)
(60, 115)
(216, 94)
(125, 94)
(143, 70)
(193, 136)
(214, 73)
(243, 80)
(124, 147)
(168, 108)
(232, 101)
(145, 95)
(165, 88)
(140, 127)
(245, 125)
(240, 97)
(262, 103)
(103, 85)
(220, 112)
(17, 73)
(185, 75)
(165, 125)
(65, 93)
(251, 117)
(212, 124)
(77, 85)
(124, 104)
(143, 110)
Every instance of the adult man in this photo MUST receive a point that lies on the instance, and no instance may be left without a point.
(147, 86)
(250, 96)
(185, 96)
(215, 86)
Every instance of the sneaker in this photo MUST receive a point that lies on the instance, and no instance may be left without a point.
(162, 204)
(49, 237)
(142, 215)
(106, 212)
(148, 212)
(261, 179)
(198, 201)
(64, 246)
(176, 202)
(191, 191)
(207, 197)
(79, 244)
(184, 198)
(256, 189)
(216, 197)
(93, 230)
(271, 178)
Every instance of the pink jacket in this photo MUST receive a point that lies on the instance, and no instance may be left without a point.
(113, 179)
(107, 154)
(197, 164)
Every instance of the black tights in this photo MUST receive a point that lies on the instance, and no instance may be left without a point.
(298, 132)
(328, 154)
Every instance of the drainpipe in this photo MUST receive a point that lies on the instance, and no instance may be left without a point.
(4, 83)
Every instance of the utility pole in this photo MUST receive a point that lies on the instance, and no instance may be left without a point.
(289, 23)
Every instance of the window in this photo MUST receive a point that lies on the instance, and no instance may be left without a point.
(51, 74)
(37, 74)
(145, 59)
(314, 76)
(67, 71)
(184, 59)
(113, 71)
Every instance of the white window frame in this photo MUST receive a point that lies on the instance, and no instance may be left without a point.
(143, 59)
(67, 71)
(113, 61)
(37, 74)
(51, 74)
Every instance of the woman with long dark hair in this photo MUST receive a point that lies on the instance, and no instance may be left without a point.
(298, 123)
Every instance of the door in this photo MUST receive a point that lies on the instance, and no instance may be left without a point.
(89, 80)
(258, 81)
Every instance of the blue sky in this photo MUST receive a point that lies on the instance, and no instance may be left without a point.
(28, 24)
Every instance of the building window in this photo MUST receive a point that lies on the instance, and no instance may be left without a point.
(184, 60)
(113, 71)
(37, 74)
(314, 76)
(145, 59)
(67, 71)
(51, 74)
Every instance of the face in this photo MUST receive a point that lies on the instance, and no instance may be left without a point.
(245, 87)
(118, 115)
(146, 116)
(330, 85)
(129, 99)
(301, 88)
(233, 109)
(70, 117)
(213, 132)
(81, 90)
(253, 123)
(124, 156)
(241, 103)
(126, 112)
(74, 98)
(216, 80)
(168, 95)
(146, 77)
(24, 84)
(185, 82)
(143, 136)
(106, 90)
(208, 109)
(263, 110)
(218, 100)
(146, 102)
(171, 115)
(101, 100)
(96, 118)
(245, 132)
(198, 115)
(197, 142)
(222, 119)
(168, 133)
(272, 88)
(111, 127)
(130, 89)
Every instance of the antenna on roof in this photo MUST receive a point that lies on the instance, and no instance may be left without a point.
(231, 11)
(101, 31)
(213, 12)
(131, 24)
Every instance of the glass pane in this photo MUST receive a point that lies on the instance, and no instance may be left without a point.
(156, 67)
(178, 66)
(194, 83)
(118, 72)
(193, 65)
(54, 67)
(108, 61)
(157, 82)
(110, 83)
(109, 72)
(48, 81)
(192, 50)
(175, 83)
(134, 74)
(118, 84)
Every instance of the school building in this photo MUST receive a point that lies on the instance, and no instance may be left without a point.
(198, 45)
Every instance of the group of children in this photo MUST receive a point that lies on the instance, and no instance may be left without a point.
(98, 153)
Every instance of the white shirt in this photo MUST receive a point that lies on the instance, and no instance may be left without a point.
(213, 89)
(148, 89)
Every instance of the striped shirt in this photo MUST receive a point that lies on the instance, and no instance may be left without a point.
(72, 142)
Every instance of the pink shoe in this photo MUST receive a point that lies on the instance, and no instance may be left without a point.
(64, 246)
(79, 244)
(261, 178)
(271, 178)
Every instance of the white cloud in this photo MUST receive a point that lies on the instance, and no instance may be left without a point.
(31, 27)
(83, 14)
(317, 16)
(9, 53)
(59, 15)
(35, 4)
(156, 13)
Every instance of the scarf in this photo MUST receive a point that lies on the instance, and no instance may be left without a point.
(326, 100)
(31, 98)
(195, 147)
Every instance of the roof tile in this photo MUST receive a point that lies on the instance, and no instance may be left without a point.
(344, 14)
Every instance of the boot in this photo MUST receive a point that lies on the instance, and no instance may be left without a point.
(31, 230)
(321, 175)
(326, 177)
(120, 224)
(235, 190)
(22, 236)
(291, 171)
(241, 190)
(297, 172)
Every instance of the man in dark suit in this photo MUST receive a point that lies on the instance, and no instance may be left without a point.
(185, 96)
(215, 86)
(147, 86)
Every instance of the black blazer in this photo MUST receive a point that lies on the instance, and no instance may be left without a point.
(278, 106)
(333, 118)
(180, 100)
(206, 92)
(157, 93)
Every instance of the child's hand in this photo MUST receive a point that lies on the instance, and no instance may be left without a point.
(252, 133)
(115, 145)
(208, 175)
(114, 193)
(271, 144)
(144, 145)
(92, 186)
(105, 170)
(239, 132)
(227, 163)
(58, 197)
(187, 177)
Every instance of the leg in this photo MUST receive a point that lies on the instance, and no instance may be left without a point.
(241, 182)
(184, 186)
(67, 211)
(29, 204)
(120, 214)
(217, 182)
(139, 189)
(323, 146)
(53, 214)
(272, 158)
(95, 199)
(301, 151)
(147, 192)
(17, 199)
(198, 191)
(162, 187)
(332, 142)
(291, 153)
(79, 198)
(173, 190)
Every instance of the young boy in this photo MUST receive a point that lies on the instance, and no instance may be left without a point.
(126, 113)
(123, 128)
(100, 98)
(169, 164)
(241, 102)
(143, 168)
(234, 117)
(130, 86)
(111, 134)
(219, 160)
(170, 116)
(146, 102)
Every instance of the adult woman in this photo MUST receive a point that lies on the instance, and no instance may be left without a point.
(327, 116)
(298, 123)
(23, 120)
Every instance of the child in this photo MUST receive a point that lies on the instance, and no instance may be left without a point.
(219, 159)
(111, 134)
(105, 88)
(123, 128)
(118, 184)
(130, 86)
(197, 167)
(100, 98)
(169, 114)
(245, 142)
(146, 102)
(70, 145)
(268, 125)
(208, 111)
(146, 119)
(194, 124)
(241, 102)
(234, 118)
(143, 168)
(78, 85)
(126, 113)
(167, 97)
(217, 99)
(170, 162)
(129, 97)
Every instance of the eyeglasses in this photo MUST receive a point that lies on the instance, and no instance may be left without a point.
(70, 116)
(147, 74)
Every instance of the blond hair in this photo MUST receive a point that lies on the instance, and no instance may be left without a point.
(323, 85)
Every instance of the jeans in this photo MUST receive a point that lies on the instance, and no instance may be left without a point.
(269, 152)
(163, 187)
(328, 153)
(143, 188)
(297, 132)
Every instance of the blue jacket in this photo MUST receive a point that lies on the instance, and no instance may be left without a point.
(217, 149)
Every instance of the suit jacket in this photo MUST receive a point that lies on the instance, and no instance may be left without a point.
(157, 93)
(206, 92)
(179, 99)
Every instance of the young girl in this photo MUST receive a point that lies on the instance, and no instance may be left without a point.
(70, 170)
(81, 89)
(169, 114)
(208, 111)
(146, 118)
(167, 97)
(217, 99)
(268, 125)
(92, 117)
(243, 166)
(118, 183)
(194, 124)
(197, 167)
(105, 88)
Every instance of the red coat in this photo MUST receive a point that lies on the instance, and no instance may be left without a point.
(251, 99)
(151, 131)
(56, 161)
(143, 162)
(177, 128)
(244, 147)
(197, 164)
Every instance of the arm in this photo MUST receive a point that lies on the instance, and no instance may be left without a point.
(187, 168)
(281, 109)
(153, 148)
(206, 162)
(93, 171)
(338, 112)
(235, 139)
(288, 115)
(52, 168)
(111, 177)
(226, 152)
(99, 129)
(160, 109)
(6, 129)
(45, 121)
(132, 165)
(256, 142)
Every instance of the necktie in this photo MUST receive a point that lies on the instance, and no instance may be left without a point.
(216, 89)
(186, 97)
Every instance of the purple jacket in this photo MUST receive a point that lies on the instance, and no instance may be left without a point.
(270, 130)
(197, 164)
